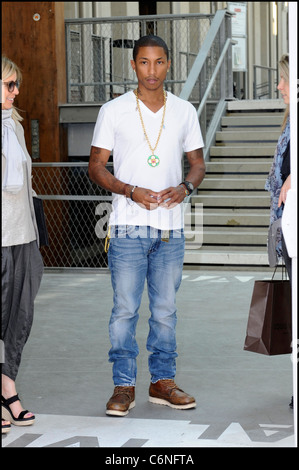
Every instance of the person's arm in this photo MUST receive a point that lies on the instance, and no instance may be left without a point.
(284, 191)
(197, 167)
(172, 196)
(99, 174)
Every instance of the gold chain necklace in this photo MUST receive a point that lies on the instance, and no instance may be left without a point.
(153, 160)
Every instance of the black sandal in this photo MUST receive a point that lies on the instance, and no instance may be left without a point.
(5, 426)
(7, 414)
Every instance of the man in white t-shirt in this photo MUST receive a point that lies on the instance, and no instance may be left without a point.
(148, 131)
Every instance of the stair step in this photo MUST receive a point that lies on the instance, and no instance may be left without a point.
(245, 144)
(227, 236)
(229, 257)
(236, 219)
(253, 128)
(254, 151)
(238, 167)
(231, 199)
(223, 236)
(234, 182)
(249, 120)
(245, 135)
(229, 217)
(234, 249)
(255, 105)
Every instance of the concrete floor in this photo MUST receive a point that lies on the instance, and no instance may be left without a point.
(65, 377)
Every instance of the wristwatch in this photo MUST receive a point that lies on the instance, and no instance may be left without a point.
(189, 186)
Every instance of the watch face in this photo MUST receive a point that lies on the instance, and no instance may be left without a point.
(189, 185)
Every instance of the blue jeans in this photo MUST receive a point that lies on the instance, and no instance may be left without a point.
(137, 254)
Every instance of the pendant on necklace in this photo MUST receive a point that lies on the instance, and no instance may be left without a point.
(153, 160)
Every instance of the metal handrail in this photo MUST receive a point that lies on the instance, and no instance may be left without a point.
(268, 84)
(216, 25)
(203, 53)
(213, 78)
(142, 18)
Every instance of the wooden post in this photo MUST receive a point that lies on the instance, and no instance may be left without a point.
(33, 37)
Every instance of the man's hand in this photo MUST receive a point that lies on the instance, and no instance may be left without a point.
(146, 198)
(171, 197)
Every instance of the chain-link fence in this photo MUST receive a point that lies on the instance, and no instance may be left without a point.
(99, 51)
(76, 212)
(77, 215)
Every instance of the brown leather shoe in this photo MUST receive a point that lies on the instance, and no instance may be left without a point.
(122, 400)
(166, 392)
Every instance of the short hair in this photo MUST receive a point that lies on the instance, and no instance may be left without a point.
(150, 41)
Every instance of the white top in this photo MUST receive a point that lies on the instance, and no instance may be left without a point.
(17, 224)
(18, 217)
(118, 129)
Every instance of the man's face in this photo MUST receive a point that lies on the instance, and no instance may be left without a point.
(151, 66)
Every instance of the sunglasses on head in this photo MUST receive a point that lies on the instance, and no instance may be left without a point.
(11, 85)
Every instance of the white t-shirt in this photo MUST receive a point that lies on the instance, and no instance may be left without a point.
(118, 129)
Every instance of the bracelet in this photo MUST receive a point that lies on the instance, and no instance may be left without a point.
(132, 191)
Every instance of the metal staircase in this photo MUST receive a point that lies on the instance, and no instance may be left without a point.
(235, 204)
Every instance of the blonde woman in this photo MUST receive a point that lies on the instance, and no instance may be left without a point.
(22, 264)
(279, 178)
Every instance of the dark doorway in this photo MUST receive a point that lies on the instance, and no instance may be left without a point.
(147, 8)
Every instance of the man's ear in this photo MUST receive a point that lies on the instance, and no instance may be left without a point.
(133, 65)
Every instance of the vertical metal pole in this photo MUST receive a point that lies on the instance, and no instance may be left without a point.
(254, 83)
(68, 48)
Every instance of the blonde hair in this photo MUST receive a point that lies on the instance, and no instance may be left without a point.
(8, 69)
(284, 72)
